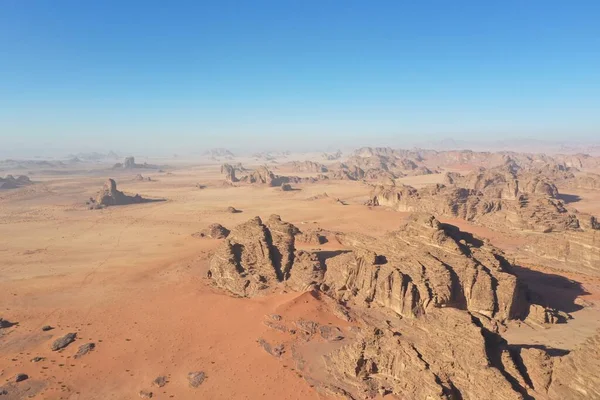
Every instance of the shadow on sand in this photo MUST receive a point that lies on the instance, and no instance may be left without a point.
(569, 198)
(550, 290)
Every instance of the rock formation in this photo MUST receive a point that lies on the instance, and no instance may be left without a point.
(10, 182)
(575, 376)
(312, 236)
(229, 172)
(524, 212)
(213, 231)
(330, 157)
(422, 266)
(426, 302)
(508, 198)
(141, 178)
(219, 152)
(257, 256)
(306, 166)
(261, 176)
(504, 182)
(425, 265)
(110, 196)
(129, 163)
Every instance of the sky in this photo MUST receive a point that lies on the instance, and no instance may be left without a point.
(189, 75)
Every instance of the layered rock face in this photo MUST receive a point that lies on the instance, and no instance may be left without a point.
(425, 302)
(529, 212)
(434, 159)
(330, 157)
(213, 231)
(444, 355)
(110, 196)
(10, 182)
(575, 376)
(129, 163)
(504, 183)
(422, 266)
(307, 166)
(229, 172)
(261, 176)
(256, 256)
(219, 152)
(509, 198)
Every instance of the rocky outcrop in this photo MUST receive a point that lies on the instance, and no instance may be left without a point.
(343, 171)
(526, 212)
(110, 196)
(555, 234)
(425, 265)
(286, 187)
(307, 271)
(219, 153)
(261, 176)
(575, 376)
(10, 182)
(213, 231)
(229, 172)
(129, 163)
(312, 236)
(332, 156)
(425, 303)
(577, 250)
(444, 355)
(504, 182)
(255, 256)
(306, 166)
(141, 178)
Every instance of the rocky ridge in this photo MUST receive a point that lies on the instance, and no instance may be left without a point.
(427, 302)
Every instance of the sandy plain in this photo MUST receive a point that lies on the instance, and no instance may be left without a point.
(132, 279)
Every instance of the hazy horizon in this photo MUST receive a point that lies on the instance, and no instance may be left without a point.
(162, 79)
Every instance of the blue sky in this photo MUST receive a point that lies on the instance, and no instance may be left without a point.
(182, 75)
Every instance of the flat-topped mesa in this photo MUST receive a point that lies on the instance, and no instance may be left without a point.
(110, 196)
(425, 265)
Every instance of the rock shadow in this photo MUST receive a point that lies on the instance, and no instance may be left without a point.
(551, 351)
(7, 324)
(325, 255)
(550, 290)
(456, 233)
(568, 198)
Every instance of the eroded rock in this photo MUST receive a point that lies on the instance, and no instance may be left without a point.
(85, 349)
(63, 341)
(195, 379)
(213, 231)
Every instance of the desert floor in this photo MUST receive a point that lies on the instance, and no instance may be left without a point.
(132, 280)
